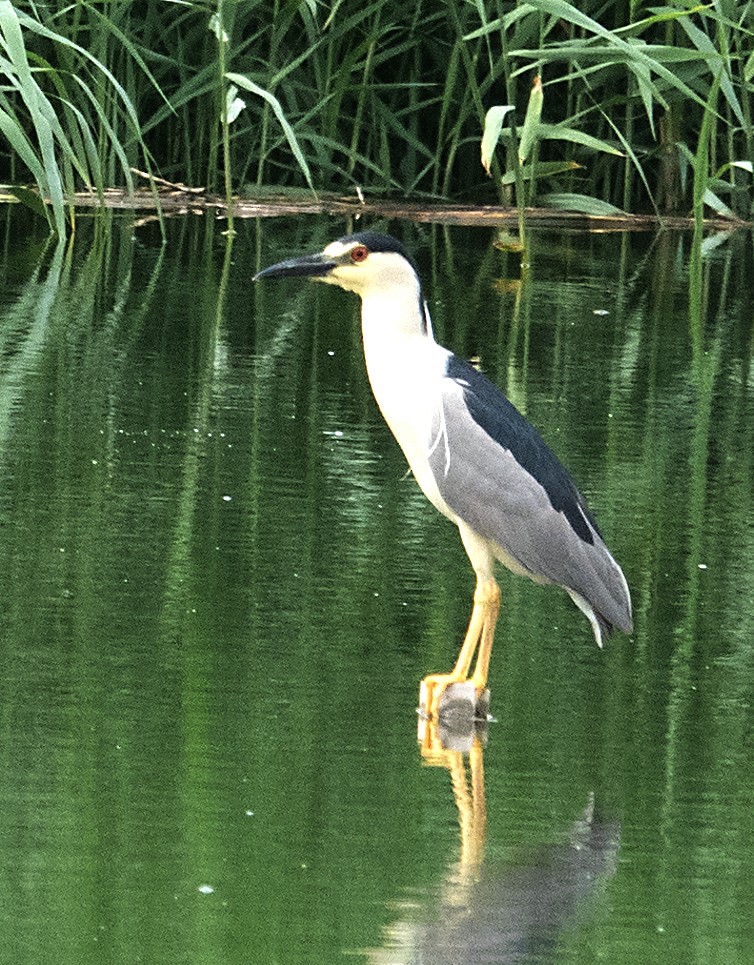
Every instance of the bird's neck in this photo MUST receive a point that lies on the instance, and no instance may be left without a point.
(399, 350)
(404, 365)
(394, 315)
(396, 338)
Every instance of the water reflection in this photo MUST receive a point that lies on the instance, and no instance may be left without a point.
(503, 911)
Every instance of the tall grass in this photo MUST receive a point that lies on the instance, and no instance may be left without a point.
(66, 116)
(245, 95)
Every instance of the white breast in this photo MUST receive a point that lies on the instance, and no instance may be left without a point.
(406, 369)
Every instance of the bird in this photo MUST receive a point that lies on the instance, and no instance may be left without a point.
(478, 460)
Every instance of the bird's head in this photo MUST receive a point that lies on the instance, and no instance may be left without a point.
(366, 263)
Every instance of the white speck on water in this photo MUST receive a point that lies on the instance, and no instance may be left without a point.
(206, 890)
(227, 499)
(600, 311)
(702, 566)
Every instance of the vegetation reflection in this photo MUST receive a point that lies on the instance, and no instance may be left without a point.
(209, 552)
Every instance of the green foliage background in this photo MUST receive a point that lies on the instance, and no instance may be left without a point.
(645, 107)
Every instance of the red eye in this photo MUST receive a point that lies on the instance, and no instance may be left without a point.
(359, 253)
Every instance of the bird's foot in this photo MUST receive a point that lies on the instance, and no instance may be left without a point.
(452, 714)
(431, 690)
(447, 694)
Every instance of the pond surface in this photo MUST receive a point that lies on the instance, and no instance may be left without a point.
(219, 591)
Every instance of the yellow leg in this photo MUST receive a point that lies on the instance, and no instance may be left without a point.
(487, 637)
(478, 640)
(468, 791)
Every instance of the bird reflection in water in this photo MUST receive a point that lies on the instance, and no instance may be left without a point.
(495, 911)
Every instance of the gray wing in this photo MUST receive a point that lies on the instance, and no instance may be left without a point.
(496, 473)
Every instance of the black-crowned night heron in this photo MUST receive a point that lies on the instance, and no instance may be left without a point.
(474, 455)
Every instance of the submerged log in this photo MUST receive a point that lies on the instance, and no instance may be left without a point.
(176, 198)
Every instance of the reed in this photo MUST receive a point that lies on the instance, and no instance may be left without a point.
(385, 97)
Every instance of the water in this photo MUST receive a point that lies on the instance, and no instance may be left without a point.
(218, 593)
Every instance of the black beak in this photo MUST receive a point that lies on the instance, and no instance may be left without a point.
(310, 266)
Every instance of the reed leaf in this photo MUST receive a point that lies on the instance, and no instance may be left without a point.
(580, 202)
(247, 84)
(530, 130)
(541, 169)
(493, 126)
(562, 132)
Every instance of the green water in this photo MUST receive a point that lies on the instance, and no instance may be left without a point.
(218, 593)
